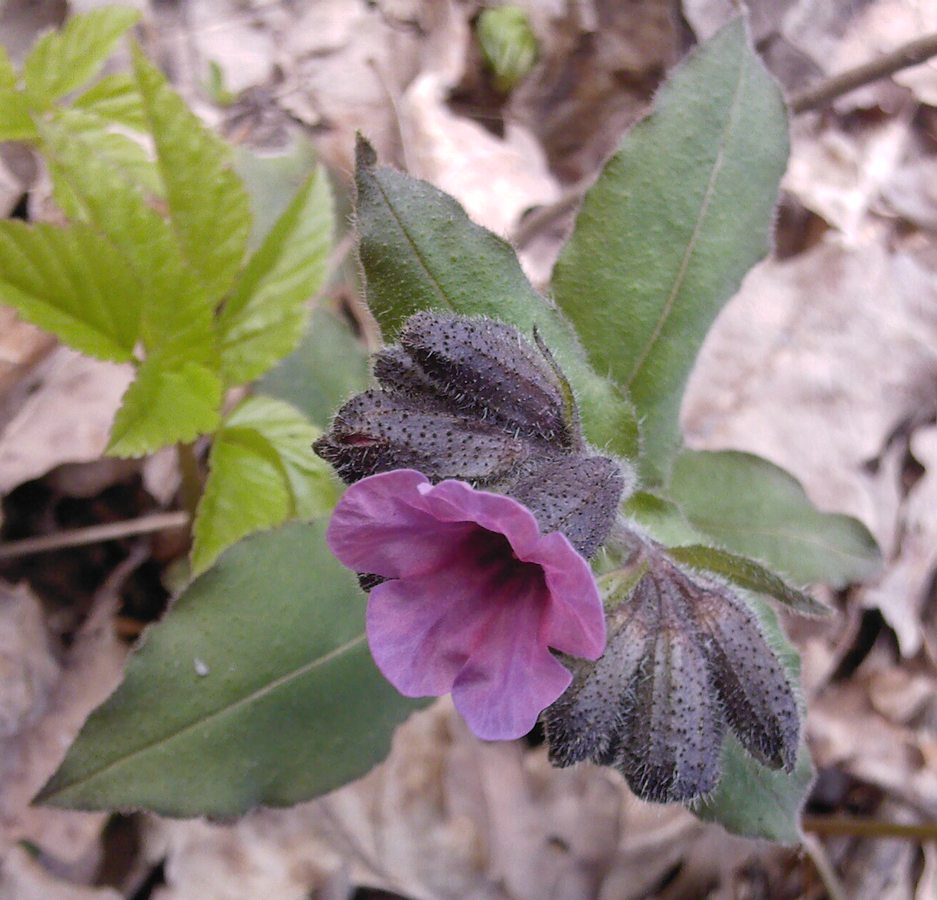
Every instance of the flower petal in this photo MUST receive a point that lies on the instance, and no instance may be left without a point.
(575, 620)
(456, 501)
(417, 634)
(510, 677)
(380, 528)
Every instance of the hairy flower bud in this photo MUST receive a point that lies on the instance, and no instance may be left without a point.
(685, 659)
(472, 399)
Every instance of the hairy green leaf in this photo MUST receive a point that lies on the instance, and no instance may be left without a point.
(177, 319)
(661, 518)
(421, 251)
(114, 98)
(169, 402)
(678, 216)
(266, 314)
(262, 471)
(258, 689)
(208, 206)
(748, 574)
(73, 283)
(325, 370)
(752, 507)
(751, 799)
(62, 61)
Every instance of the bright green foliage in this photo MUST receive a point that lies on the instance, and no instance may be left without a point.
(208, 206)
(678, 216)
(114, 98)
(264, 318)
(62, 61)
(7, 71)
(748, 574)
(168, 402)
(258, 688)
(262, 471)
(323, 372)
(421, 251)
(47, 274)
(751, 799)
(752, 507)
(508, 44)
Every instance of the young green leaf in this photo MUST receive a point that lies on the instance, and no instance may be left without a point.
(16, 122)
(208, 206)
(751, 799)
(169, 402)
(258, 689)
(752, 507)
(73, 283)
(420, 250)
(177, 318)
(262, 472)
(62, 61)
(325, 370)
(748, 574)
(661, 518)
(114, 99)
(508, 44)
(266, 314)
(8, 76)
(678, 216)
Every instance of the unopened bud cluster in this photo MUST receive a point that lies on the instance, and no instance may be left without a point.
(472, 399)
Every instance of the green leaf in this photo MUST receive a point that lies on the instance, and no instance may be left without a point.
(752, 507)
(264, 318)
(661, 518)
(73, 283)
(751, 799)
(508, 44)
(678, 216)
(208, 206)
(748, 574)
(64, 60)
(169, 402)
(177, 316)
(421, 251)
(16, 122)
(114, 98)
(290, 705)
(272, 181)
(262, 472)
(8, 77)
(325, 370)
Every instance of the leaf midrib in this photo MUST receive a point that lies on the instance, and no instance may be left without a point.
(680, 277)
(254, 695)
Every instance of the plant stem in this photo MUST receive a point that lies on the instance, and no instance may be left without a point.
(191, 477)
(78, 537)
(911, 54)
(870, 828)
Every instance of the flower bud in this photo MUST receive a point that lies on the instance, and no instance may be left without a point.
(685, 660)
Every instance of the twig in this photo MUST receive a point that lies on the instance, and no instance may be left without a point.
(824, 867)
(870, 828)
(911, 54)
(191, 489)
(79, 537)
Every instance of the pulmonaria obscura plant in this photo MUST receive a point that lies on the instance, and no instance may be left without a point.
(533, 535)
(479, 585)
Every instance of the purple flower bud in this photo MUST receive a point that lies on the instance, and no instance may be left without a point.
(685, 660)
(488, 370)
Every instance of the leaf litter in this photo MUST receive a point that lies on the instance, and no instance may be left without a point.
(824, 363)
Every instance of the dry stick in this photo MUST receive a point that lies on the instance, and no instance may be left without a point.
(911, 54)
(79, 537)
(870, 828)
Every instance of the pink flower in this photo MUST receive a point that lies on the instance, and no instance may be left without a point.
(475, 596)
